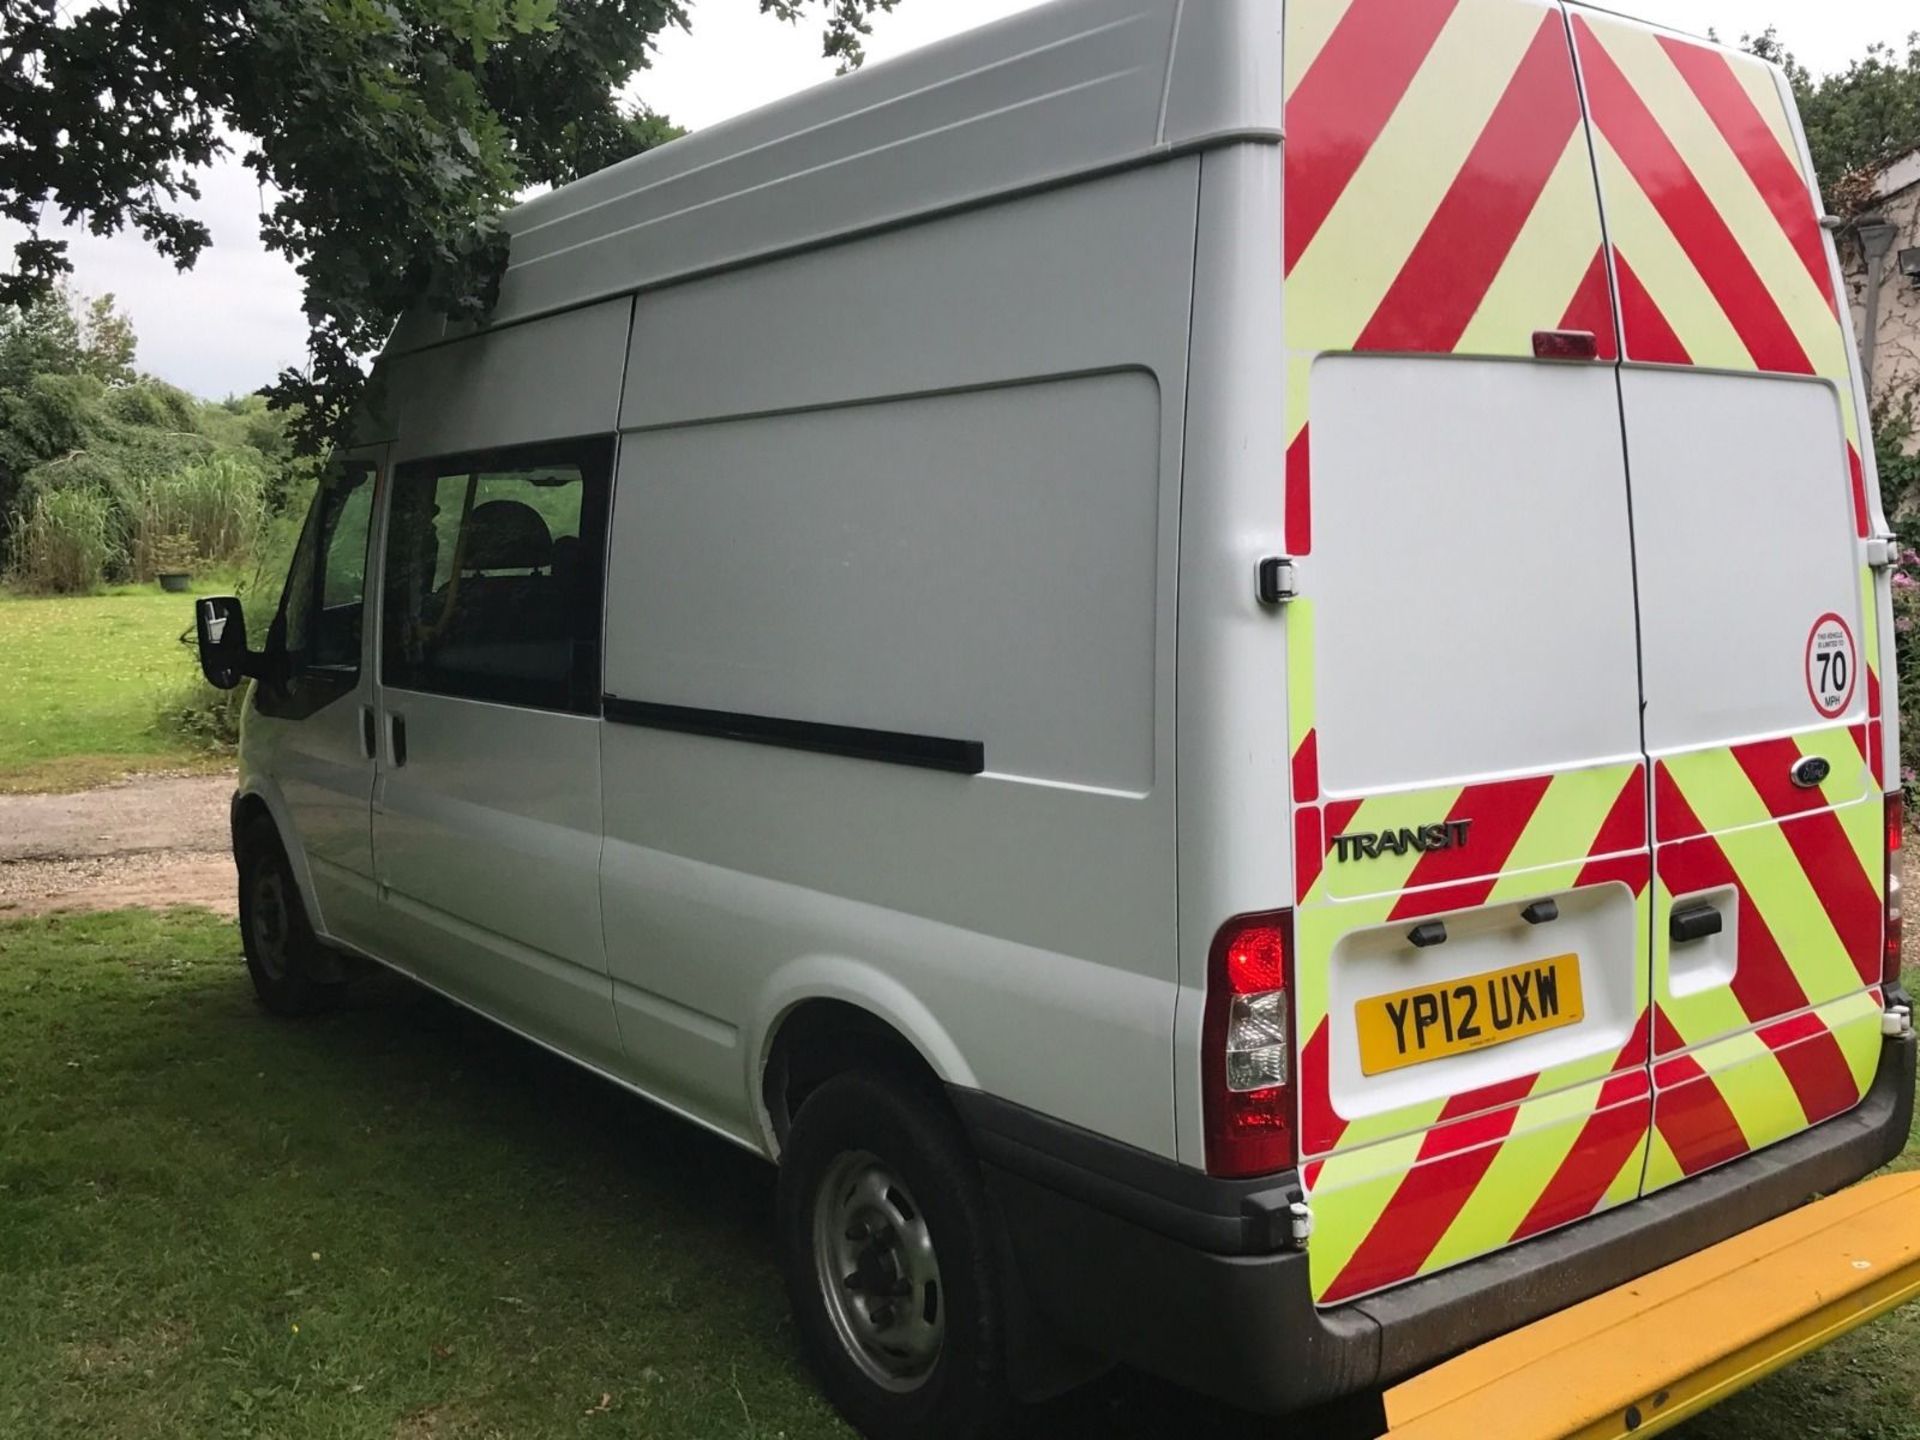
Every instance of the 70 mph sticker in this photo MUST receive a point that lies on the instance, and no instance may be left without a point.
(1832, 666)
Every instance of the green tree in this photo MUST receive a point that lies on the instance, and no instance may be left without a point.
(1857, 120)
(41, 338)
(58, 333)
(387, 135)
(107, 342)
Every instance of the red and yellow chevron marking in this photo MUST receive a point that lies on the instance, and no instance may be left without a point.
(1414, 1189)
(1440, 199)
(1792, 1036)
(1439, 191)
(1715, 228)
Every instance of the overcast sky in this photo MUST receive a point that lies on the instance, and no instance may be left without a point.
(233, 321)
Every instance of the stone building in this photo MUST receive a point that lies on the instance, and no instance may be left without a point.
(1885, 242)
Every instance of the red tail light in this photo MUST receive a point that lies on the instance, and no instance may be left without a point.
(1566, 345)
(1896, 823)
(1248, 1062)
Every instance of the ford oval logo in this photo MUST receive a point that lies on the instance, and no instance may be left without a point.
(1811, 771)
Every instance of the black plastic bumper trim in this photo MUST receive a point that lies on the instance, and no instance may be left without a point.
(892, 747)
(1220, 1217)
(1134, 1258)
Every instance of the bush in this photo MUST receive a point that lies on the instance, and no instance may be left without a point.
(44, 421)
(155, 405)
(212, 508)
(201, 716)
(64, 542)
(1894, 433)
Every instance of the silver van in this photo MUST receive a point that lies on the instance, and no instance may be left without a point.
(1225, 669)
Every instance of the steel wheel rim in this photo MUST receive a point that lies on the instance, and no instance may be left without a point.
(874, 1259)
(269, 921)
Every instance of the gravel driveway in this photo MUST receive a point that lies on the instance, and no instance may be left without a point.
(149, 840)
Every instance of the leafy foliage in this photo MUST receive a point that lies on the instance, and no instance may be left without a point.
(387, 135)
(63, 542)
(57, 335)
(1896, 428)
(101, 470)
(1858, 120)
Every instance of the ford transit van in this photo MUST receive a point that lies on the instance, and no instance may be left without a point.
(1224, 669)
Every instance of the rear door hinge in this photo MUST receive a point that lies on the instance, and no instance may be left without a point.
(1882, 552)
(1275, 583)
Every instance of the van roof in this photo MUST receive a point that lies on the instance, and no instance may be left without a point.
(1055, 92)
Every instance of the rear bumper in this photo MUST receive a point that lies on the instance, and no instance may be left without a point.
(1132, 1258)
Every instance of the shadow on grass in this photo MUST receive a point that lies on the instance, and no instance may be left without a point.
(597, 1143)
(398, 1221)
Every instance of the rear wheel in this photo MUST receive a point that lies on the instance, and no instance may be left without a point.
(890, 1261)
(293, 974)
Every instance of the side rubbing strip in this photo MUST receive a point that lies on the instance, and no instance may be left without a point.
(928, 752)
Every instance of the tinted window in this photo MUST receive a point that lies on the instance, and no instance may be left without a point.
(326, 585)
(493, 576)
(316, 633)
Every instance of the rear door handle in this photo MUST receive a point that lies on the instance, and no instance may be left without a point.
(368, 740)
(1692, 922)
(397, 739)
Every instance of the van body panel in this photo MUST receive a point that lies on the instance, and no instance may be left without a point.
(1418, 1167)
(1225, 74)
(488, 855)
(1760, 647)
(307, 749)
(1232, 657)
(1739, 597)
(549, 380)
(486, 816)
(972, 540)
(1080, 88)
(1440, 210)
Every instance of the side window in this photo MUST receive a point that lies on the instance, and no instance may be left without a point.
(325, 598)
(493, 576)
(316, 634)
(340, 596)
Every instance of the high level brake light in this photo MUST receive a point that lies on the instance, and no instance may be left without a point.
(1896, 822)
(1247, 1037)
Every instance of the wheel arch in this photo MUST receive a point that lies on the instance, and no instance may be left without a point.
(835, 1016)
(251, 803)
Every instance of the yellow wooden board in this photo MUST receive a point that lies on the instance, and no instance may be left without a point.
(1640, 1359)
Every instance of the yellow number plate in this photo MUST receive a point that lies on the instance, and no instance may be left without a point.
(1468, 1014)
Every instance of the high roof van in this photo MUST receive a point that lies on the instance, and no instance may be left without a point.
(1224, 669)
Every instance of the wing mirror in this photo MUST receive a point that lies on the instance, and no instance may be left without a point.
(221, 627)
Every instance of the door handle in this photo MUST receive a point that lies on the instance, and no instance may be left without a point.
(1693, 922)
(368, 740)
(397, 739)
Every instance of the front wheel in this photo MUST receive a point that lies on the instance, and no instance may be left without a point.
(890, 1261)
(292, 972)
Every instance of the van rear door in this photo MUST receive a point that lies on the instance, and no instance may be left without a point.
(1758, 627)
(1472, 864)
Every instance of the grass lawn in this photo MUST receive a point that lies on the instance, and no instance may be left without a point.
(399, 1222)
(83, 678)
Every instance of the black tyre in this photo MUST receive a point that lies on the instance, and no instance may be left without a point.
(890, 1260)
(293, 974)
